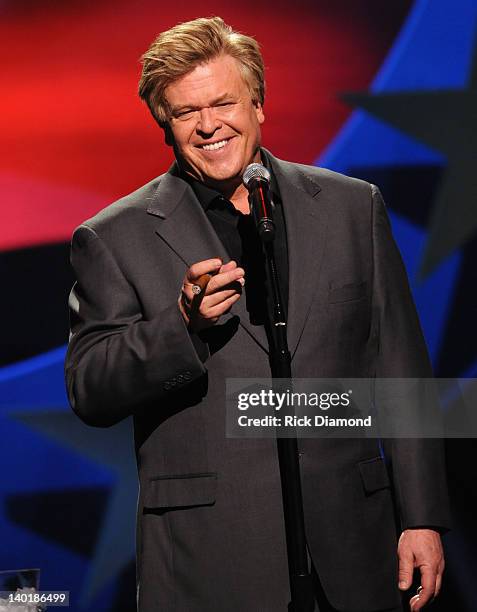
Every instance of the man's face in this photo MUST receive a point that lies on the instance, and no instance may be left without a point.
(214, 126)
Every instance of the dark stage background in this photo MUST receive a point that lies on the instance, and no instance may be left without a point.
(385, 91)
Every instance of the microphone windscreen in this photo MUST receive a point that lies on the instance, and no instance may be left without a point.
(254, 171)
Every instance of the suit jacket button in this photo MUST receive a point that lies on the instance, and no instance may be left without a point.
(187, 376)
(167, 386)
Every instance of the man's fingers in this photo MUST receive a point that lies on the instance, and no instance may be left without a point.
(217, 311)
(221, 275)
(438, 586)
(428, 584)
(230, 265)
(208, 266)
(413, 602)
(216, 298)
(223, 279)
(406, 568)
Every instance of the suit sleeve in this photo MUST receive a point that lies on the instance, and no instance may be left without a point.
(418, 465)
(117, 360)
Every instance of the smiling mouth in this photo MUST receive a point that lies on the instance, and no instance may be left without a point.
(215, 146)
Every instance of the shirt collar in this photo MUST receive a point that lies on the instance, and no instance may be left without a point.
(207, 195)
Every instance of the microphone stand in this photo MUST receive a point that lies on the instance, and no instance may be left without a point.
(301, 588)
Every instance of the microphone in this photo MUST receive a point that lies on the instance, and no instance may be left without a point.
(256, 179)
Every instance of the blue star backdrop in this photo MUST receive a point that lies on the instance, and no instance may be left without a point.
(403, 113)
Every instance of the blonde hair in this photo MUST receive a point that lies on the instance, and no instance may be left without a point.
(179, 50)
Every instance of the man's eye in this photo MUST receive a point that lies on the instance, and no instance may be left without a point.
(185, 114)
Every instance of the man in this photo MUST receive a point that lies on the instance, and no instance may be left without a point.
(210, 520)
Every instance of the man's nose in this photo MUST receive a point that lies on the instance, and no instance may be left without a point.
(208, 121)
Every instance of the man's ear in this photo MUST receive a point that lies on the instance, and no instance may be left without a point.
(168, 135)
(259, 112)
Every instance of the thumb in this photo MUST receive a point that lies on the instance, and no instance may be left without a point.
(406, 569)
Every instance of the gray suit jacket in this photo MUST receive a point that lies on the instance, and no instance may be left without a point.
(210, 525)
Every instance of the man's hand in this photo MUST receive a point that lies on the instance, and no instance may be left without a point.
(421, 548)
(222, 291)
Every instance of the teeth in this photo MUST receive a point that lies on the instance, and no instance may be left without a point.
(215, 146)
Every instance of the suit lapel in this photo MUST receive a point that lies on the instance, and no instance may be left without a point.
(185, 228)
(306, 218)
(184, 225)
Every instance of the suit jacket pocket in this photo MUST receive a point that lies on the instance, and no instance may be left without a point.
(346, 293)
(374, 474)
(181, 490)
